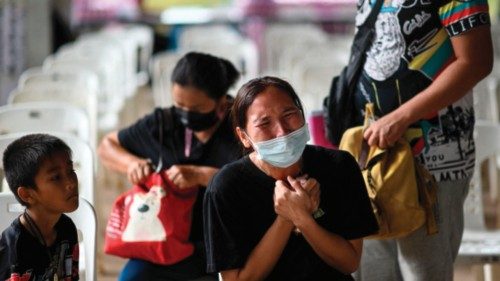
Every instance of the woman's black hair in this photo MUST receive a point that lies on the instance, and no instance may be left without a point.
(250, 90)
(213, 75)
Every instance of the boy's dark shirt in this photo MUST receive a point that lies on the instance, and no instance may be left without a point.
(22, 250)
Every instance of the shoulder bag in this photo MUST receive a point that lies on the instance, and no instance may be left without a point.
(152, 221)
(402, 193)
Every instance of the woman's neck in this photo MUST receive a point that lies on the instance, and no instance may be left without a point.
(204, 136)
(276, 172)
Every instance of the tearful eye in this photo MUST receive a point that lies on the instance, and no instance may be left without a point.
(263, 124)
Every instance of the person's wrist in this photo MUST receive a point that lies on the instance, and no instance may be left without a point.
(303, 220)
(284, 222)
(405, 116)
(203, 174)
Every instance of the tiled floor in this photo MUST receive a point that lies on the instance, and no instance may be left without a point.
(110, 184)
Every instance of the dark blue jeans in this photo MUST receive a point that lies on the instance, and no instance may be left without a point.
(191, 268)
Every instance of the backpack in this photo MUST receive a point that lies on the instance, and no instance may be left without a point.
(402, 193)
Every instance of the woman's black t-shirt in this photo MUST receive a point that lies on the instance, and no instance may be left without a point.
(142, 139)
(239, 209)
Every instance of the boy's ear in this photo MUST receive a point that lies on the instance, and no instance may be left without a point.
(26, 194)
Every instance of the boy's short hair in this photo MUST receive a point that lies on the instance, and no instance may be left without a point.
(23, 157)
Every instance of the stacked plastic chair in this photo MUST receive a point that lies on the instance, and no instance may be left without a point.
(221, 41)
(480, 245)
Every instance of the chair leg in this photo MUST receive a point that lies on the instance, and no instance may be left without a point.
(491, 272)
(493, 178)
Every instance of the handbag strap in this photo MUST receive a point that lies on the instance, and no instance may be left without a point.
(365, 148)
(362, 41)
(164, 115)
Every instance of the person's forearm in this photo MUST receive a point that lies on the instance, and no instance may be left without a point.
(206, 174)
(265, 255)
(331, 248)
(474, 61)
(115, 157)
(454, 83)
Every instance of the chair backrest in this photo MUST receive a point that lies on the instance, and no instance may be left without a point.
(313, 76)
(486, 98)
(54, 93)
(487, 136)
(243, 55)
(142, 36)
(104, 107)
(162, 66)
(280, 36)
(84, 218)
(195, 36)
(45, 116)
(107, 98)
(35, 76)
(83, 160)
(115, 51)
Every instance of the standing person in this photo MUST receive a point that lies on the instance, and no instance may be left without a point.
(42, 243)
(265, 216)
(419, 73)
(199, 142)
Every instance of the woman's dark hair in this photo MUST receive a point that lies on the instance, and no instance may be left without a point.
(250, 90)
(205, 72)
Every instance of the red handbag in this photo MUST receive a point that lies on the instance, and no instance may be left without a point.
(152, 222)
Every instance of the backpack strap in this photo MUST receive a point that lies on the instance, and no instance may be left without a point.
(363, 39)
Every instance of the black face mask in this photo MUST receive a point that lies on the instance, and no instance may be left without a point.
(196, 121)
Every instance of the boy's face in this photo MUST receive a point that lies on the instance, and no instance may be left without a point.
(56, 185)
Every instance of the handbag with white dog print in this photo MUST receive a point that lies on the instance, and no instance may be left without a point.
(152, 221)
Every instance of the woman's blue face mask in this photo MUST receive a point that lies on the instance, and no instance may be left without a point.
(283, 151)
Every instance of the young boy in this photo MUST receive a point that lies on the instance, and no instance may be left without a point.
(42, 243)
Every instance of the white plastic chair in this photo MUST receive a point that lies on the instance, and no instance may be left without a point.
(486, 103)
(85, 221)
(480, 245)
(281, 36)
(142, 36)
(96, 52)
(44, 116)
(242, 55)
(80, 78)
(162, 66)
(313, 76)
(125, 45)
(83, 160)
(193, 37)
(53, 93)
(108, 102)
(118, 51)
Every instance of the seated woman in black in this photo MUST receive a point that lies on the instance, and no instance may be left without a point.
(198, 140)
(264, 216)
